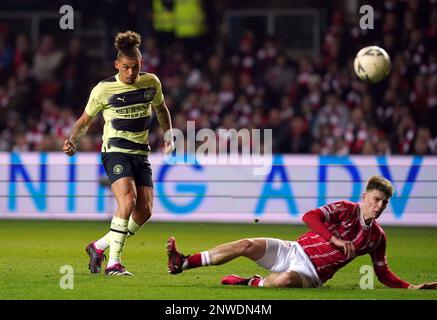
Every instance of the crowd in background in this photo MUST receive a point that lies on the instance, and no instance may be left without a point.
(312, 104)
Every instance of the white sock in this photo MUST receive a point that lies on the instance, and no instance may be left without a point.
(132, 227)
(118, 236)
(104, 242)
(206, 260)
(260, 283)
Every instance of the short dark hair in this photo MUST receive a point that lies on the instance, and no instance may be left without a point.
(377, 182)
(127, 44)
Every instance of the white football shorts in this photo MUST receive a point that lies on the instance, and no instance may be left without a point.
(282, 256)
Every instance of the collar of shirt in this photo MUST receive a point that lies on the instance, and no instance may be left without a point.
(362, 222)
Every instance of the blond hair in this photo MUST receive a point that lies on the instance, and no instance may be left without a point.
(377, 182)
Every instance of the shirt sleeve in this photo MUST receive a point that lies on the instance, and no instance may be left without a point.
(94, 105)
(159, 96)
(337, 212)
(315, 220)
(319, 219)
(378, 254)
(388, 278)
(382, 271)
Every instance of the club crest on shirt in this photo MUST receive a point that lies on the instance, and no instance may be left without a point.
(149, 94)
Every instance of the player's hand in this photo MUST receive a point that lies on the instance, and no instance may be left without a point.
(424, 286)
(347, 247)
(168, 146)
(69, 148)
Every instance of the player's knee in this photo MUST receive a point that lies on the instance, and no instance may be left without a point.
(288, 280)
(247, 246)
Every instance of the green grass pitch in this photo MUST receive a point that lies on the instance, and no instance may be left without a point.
(32, 253)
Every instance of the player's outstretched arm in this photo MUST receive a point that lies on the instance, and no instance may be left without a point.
(388, 278)
(80, 128)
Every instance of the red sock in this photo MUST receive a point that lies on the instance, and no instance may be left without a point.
(254, 282)
(194, 260)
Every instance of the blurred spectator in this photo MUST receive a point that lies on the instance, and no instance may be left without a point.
(73, 69)
(6, 56)
(334, 114)
(20, 90)
(423, 144)
(298, 138)
(356, 132)
(279, 74)
(46, 67)
(23, 54)
(47, 60)
(432, 104)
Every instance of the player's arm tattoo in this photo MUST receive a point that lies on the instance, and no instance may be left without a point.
(80, 128)
(163, 116)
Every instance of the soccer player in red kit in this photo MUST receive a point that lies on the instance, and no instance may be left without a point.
(340, 231)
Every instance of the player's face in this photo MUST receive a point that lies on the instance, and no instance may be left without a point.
(128, 69)
(375, 202)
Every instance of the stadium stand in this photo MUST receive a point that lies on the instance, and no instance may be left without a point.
(313, 104)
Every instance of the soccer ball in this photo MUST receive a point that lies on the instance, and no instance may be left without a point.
(372, 64)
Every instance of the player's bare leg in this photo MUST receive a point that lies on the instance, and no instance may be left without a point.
(142, 211)
(253, 249)
(288, 279)
(126, 196)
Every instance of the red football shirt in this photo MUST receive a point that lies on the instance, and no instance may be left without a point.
(344, 220)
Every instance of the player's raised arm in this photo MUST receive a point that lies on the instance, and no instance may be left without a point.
(80, 128)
